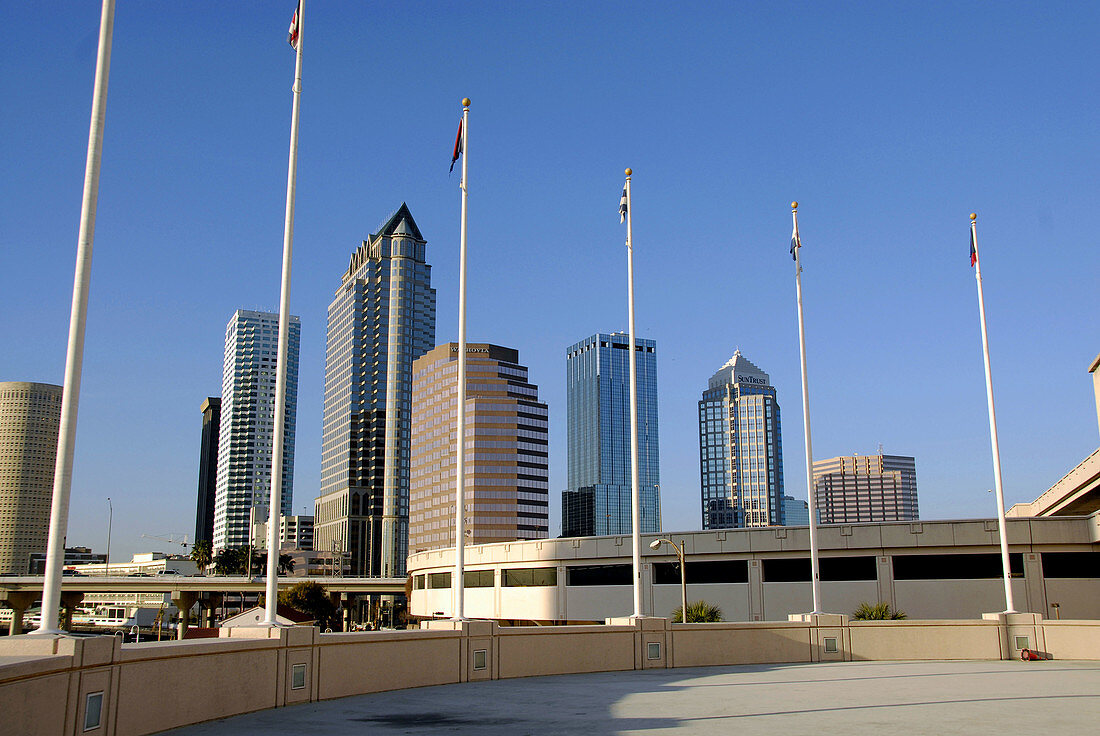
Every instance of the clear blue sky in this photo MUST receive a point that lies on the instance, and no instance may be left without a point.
(889, 124)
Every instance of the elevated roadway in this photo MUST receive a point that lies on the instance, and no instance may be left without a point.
(20, 592)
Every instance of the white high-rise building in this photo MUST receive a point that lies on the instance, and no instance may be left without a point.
(247, 429)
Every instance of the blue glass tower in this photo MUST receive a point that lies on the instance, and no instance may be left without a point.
(597, 501)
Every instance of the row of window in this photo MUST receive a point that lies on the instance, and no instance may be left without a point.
(980, 566)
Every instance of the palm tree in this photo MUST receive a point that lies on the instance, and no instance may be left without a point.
(202, 555)
(229, 561)
(699, 612)
(286, 564)
(880, 611)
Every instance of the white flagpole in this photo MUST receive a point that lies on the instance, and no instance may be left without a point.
(74, 355)
(1010, 606)
(635, 506)
(815, 579)
(272, 600)
(458, 585)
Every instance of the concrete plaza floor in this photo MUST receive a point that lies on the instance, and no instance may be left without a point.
(850, 698)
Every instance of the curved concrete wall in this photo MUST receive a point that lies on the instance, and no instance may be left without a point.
(45, 682)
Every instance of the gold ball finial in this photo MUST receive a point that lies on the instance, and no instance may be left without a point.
(973, 216)
(794, 205)
(465, 101)
(629, 172)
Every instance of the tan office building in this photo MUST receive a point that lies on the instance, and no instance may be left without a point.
(30, 417)
(506, 449)
(864, 488)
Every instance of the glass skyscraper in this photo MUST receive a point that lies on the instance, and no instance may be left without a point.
(382, 319)
(247, 424)
(597, 501)
(740, 450)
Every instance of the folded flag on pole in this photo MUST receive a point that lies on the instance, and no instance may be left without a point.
(796, 242)
(458, 146)
(622, 207)
(973, 250)
(292, 35)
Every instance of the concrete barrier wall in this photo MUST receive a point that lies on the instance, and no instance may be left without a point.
(373, 661)
(531, 651)
(150, 687)
(885, 640)
(1079, 639)
(697, 645)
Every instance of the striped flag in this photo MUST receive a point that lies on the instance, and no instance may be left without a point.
(458, 146)
(292, 34)
(973, 250)
(622, 207)
(796, 242)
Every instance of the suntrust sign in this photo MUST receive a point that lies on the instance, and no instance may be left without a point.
(752, 379)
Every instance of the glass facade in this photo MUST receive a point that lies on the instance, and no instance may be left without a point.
(381, 320)
(247, 424)
(597, 501)
(740, 449)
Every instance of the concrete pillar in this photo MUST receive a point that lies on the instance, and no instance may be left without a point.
(214, 601)
(756, 591)
(183, 600)
(18, 602)
(69, 601)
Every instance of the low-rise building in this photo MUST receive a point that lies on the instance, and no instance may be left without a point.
(929, 569)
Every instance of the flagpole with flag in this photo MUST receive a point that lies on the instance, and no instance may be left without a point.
(1010, 606)
(458, 585)
(74, 355)
(815, 579)
(294, 38)
(635, 506)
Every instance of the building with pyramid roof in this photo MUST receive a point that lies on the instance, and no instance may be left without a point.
(381, 319)
(740, 448)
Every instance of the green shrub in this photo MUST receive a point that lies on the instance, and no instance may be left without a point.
(880, 611)
(699, 612)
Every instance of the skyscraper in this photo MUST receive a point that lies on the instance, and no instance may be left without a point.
(30, 417)
(507, 471)
(740, 448)
(247, 424)
(208, 469)
(597, 501)
(860, 488)
(382, 319)
(796, 512)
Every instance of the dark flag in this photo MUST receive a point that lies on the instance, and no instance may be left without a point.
(458, 146)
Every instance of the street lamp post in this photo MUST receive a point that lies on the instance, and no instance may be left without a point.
(656, 544)
(110, 518)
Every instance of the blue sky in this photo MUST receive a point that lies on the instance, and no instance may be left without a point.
(888, 123)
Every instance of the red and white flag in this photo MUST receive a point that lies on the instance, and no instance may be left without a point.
(292, 34)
